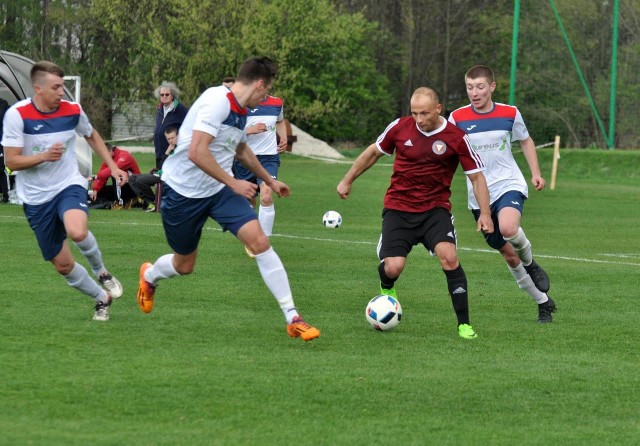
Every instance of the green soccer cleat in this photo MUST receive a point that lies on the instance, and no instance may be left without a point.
(465, 331)
(389, 292)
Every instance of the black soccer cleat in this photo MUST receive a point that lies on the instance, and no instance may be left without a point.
(539, 277)
(545, 310)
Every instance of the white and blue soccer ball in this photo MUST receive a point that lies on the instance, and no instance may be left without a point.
(383, 312)
(331, 219)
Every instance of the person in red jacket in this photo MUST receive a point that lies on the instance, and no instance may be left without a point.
(125, 161)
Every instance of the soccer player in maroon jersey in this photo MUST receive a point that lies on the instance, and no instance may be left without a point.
(417, 209)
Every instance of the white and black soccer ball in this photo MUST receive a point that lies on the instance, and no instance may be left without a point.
(383, 312)
(331, 219)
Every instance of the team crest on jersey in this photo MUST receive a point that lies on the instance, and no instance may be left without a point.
(439, 147)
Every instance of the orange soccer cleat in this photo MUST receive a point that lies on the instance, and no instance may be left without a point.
(298, 328)
(146, 291)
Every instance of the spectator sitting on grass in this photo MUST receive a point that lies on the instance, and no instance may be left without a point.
(120, 195)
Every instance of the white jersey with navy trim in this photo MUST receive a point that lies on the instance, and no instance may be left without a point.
(35, 132)
(491, 134)
(269, 112)
(218, 113)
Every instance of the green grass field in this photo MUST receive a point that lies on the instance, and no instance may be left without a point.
(212, 364)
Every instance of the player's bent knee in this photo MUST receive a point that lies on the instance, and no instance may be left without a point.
(266, 200)
(77, 235)
(393, 269)
(63, 267)
(509, 231)
(259, 246)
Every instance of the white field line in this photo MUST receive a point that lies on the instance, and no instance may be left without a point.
(372, 243)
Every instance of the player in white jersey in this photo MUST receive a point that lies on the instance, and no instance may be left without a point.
(265, 124)
(199, 185)
(491, 127)
(39, 139)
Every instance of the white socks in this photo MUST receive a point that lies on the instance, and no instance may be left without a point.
(79, 279)
(522, 246)
(266, 217)
(162, 269)
(271, 269)
(524, 281)
(89, 248)
(275, 277)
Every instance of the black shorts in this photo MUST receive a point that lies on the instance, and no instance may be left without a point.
(402, 230)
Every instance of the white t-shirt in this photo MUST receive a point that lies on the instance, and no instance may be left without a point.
(35, 132)
(491, 134)
(269, 112)
(218, 113)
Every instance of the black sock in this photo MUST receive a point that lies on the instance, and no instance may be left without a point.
(386, 282)
(457, 284)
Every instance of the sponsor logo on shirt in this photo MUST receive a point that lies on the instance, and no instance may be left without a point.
(439, 147)
(210, 124)
(408, 143)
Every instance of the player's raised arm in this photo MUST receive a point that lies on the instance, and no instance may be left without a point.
(366, 159)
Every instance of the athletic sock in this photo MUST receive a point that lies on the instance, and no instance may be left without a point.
(162, 269)
(79, 279)
(266, 217)
(386, 282)
(89, 248)
(524, 281)
(457, 284)
(522, 246)
(275, 277)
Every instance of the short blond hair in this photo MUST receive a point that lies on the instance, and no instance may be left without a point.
(428, 92)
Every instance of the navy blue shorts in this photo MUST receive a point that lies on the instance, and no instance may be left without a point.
(183, 218)
(402, 230)
(47, 219)
(271, 163)
(511, 199)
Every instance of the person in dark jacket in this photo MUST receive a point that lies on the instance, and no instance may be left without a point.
(4, 178)
(171, 113)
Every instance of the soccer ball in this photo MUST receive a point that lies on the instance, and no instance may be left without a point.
(383, 312)
(331, 219)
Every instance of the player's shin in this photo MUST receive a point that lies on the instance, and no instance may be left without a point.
(457, 285)
(275, 277)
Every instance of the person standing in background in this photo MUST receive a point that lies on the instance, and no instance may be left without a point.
(4, 178)
(171, 112)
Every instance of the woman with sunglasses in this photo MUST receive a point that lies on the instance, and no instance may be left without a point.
(171, 112)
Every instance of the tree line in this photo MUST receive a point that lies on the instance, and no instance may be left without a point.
(347, 67)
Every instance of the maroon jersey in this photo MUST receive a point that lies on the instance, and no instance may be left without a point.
(425, 164)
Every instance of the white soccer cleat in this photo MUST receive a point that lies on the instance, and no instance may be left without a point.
(102, 311)
(111, 284)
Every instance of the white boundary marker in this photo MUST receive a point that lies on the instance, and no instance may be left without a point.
(374, 243)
